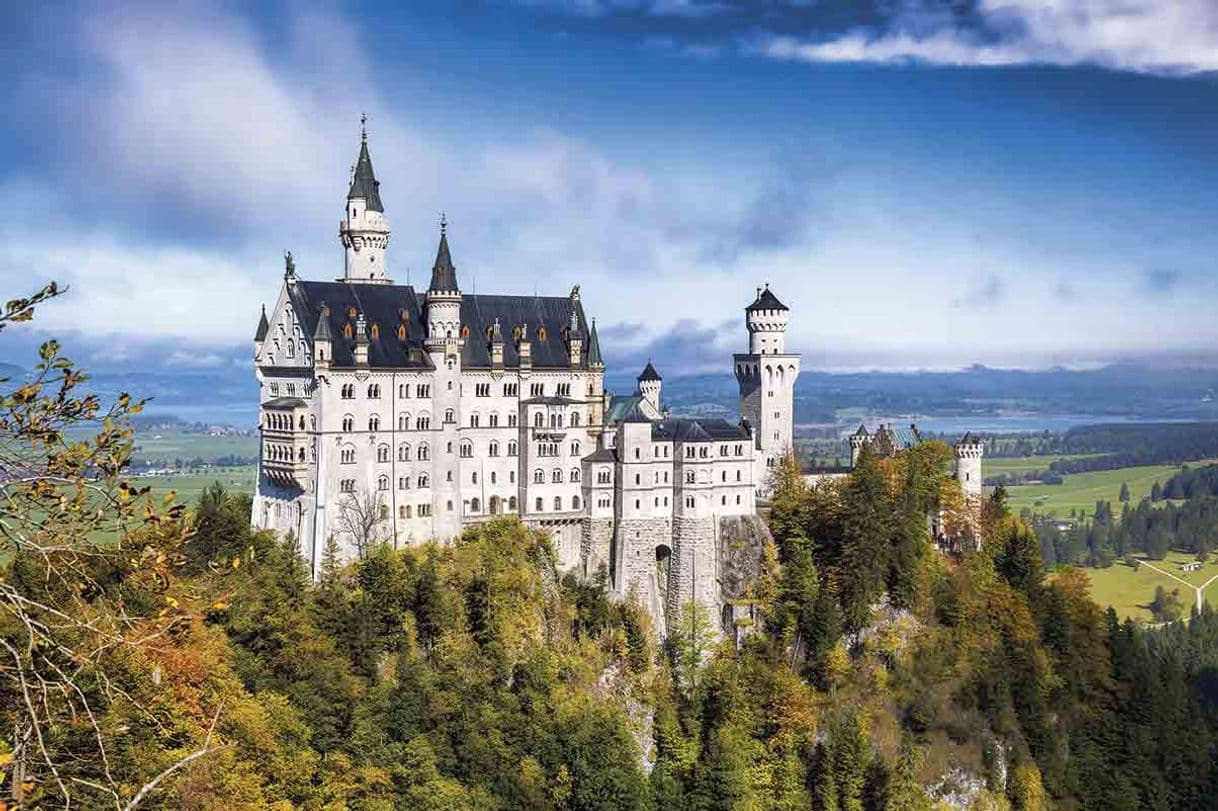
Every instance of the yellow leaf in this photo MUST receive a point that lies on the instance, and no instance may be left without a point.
(219, 605)
(237, 562)
(6, 758)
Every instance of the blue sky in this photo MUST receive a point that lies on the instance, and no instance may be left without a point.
(928, 184)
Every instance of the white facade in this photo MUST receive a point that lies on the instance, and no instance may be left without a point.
(390, 415)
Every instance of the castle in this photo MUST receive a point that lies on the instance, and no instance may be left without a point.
(392, 415)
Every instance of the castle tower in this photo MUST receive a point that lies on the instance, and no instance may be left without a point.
(766, 376)
(649, 386)
(968, 452)
(857, 440)
(443, 343)
(364, 230)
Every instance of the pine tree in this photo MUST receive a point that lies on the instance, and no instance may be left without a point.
(905, 793)
(866, 534)
(1124, 497)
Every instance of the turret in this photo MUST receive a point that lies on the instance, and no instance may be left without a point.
(496, 346)
(857, 440)
(524, 349)
(969, 452)
(575, 339)
(322, 341)
(444, 300)
(594, 349)
(260, 333)
(364, 231)
(766, 319)
(649, 385)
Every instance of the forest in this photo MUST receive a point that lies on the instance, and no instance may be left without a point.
(158, 657)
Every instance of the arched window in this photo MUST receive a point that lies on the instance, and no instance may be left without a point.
(291, 349)
(539, 420)
(422, 423)
(539, 476)
(575, 448)
(448, 415)
(493, 448)
(539, 504)
(511, 503)
(494, 477)
(493, 420)
(382, 453)
(512, 420)
(348, 422)
(374, 423)
(312, 422)
(475, 504)
(404, 422)
(474, 420)
(603, 476)
(556, 476)
(511, 448)
(574, 419)
(467, 450)
(557, 503)
(374, 391)
(424, 452)
(403, 453)
(575, 502)
(574, 475)
(422, 481)
(382, 483)
(347, 454)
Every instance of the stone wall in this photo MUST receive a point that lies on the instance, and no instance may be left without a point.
(742, 542)
(596, 542)
(635, 574)
(695, 567)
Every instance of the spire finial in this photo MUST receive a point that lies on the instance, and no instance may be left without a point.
(289, 264)
(363, 127)
(443, 223)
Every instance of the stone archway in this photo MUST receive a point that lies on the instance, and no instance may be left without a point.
(663, 570)
(496, 505)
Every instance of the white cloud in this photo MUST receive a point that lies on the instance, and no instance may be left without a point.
(1153, 36)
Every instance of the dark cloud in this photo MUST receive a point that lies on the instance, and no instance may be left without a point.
(1160, 281)
(989, 290)
(688, 347)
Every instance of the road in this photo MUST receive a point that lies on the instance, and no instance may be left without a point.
(1198, 589)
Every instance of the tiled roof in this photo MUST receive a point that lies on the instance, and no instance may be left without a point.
(650, 373)
(697, 430)
(363, 181)
(767, 301)
(284, 402)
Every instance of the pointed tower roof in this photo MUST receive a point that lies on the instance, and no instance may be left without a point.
(594, 347)
(766, 301)
(363, 181)
(322, 332)
(443, 272)
(263, 326)
(862, 431)
(650, 373)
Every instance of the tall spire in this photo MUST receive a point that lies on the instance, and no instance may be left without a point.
(363, 181)
(443, 272)
(263, 327)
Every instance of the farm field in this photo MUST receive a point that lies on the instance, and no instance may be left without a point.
(170, 445)
(1017, 465)
(189, 485)
(1129, 591)
(1082, 490)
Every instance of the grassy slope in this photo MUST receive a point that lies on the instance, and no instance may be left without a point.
(1024, 464)
(1082, 490)
(1129, 591)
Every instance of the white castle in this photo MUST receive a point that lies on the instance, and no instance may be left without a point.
(390, 415)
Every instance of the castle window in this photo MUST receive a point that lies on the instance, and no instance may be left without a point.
(346, 486)
(348, 422)
(539, 476)
(689, 477)
(512, 503)
(737, 475)
(574, 478)
(493, 420)
(382, 483)
(422, 390)
(482, 389)
(348, 332)
(512, 420)
(351, 312)
(557, 503)
(510, 389)
(556, 476)
(473, 478)
(403, 482)
(474, 420)
(404, 315)
(422, 423)
(348, 391)
(374, 392)
(537, 390)
(465, 330)
(467, 450)
(347, 455)
(564, 389)
(402, 512)
(424, 510)
(291, 349)
(575, 448)
(375, 332)
(737, 499)
(539, 420)
(689, 502)
(374, 423)
(449, 505)
(403, 391)
(511, 477)
(511, 449)
(424, 452)
(475, 505)
(401, 332)
(448, 416)
(494, 477)
(493, 449)
(382, 453)
(574, 419)
(423, 481)
(542, 334)
(403, 422)
(638, 479)
(539, 504)
(603, 476)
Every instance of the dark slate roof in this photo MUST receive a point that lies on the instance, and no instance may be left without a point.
(622, 407)
(551, 401)
(602, 455)
(650, 373)
(594, 348)
(284, 402)
(286, 371)
(697, 430)
(364, 183)
(322, 333)
(478, 312)
(862, 431)
(263, 326)
(969, 439)
(382, 305)
(767, 301)
(444, 272)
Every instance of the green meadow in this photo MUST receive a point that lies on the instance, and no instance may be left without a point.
(1080, 491)
(1129, 590)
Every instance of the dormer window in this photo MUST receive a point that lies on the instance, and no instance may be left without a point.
(401, 332)
(542, 334)
(465, 330)
(351, 312)
(348, 332)
(375, 331)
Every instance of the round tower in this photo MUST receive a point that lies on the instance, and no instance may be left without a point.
(364, 230)
(968, 452)
(766, 319)
(857, 440)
